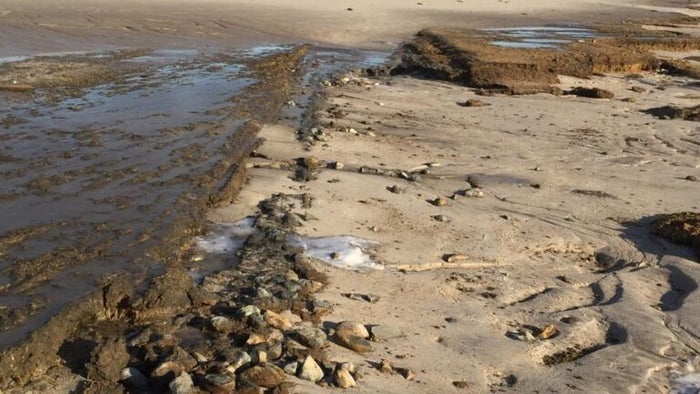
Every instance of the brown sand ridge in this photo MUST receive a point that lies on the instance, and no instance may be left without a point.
(467, 56)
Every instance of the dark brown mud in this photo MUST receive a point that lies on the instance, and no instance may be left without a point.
(530, 61)
(61, 253)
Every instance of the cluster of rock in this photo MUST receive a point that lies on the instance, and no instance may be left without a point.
(248, 329)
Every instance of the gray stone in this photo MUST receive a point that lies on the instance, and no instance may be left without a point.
(311, 337)
(321, 306)
(310, 370)
(383, 332)
(221, 324)
(249, 310)
(239, 359)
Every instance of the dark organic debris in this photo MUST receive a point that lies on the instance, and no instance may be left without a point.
(592, 193)
(591, 92)
(674, 112)
(681, 227)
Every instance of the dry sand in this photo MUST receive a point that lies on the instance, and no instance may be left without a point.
(568, 184)
(77, 25)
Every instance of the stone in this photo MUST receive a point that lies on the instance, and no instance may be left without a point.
(311, 337)
(461, 384)
(383, 332)
(385, 366)
(454, 257)
(221, 324)
(219, 384)
(343, 378)
(548, 332)
(638, 89)
(261, 292)
(406, 373)
(182, 385)
(239, 359)
(255, 338)
(132, 377)
(321, 307)
(439, 201)
(248, 310)
(352, 335)
(441, 218)
(691, 178)
(311, 162)
(352, 328)
(291, 368)
(395, 189)
(264, 375)
(310, 370)
(336, 165)
(108, 360)
(277, 321)
(476, 193)
(167, 371)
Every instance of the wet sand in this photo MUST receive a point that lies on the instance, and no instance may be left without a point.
(492, 216)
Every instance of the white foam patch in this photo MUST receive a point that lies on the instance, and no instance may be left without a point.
(687, 384)
(343, 251)
(228, 237)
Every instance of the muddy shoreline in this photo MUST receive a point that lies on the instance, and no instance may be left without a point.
(128, 322)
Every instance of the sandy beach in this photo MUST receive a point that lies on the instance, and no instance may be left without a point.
(481, 240)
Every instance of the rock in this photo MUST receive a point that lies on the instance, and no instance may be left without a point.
(310, 370)
(261, 292)
(291, 368)
(472, 103)
(395, 189)
(638, 89)
(439, 201)
(454, 257)
(321, 307)
(383, 332)
(352, 328)
(371, 298)
(108, 360)
(264, 375)
(548, 332)
(255, 338)
(277, 321)
(132, 377)
(386, 367)
(406, 373)
(521, 334)
(248, 310)
(336, 165)
(441, 218)
(311, 337)
(476, 193)
(473, 181)
(347, 337)
(597, 93)
(461, 384)
(246, 387)
(691, 178)
(182, 385)
(343, 378)
(238, 359)
(681, 227)
(221, 324)
(219, 384)
(167, 371)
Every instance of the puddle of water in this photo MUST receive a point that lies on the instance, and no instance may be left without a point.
(531, 37)
(12, 59)
(522, 44)
(267, 49)
(344, 252)
(104, 172)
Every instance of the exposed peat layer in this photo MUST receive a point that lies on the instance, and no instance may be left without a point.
(529, 60)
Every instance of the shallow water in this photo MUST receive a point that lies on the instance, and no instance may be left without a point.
(532, 37)
(94, 185)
